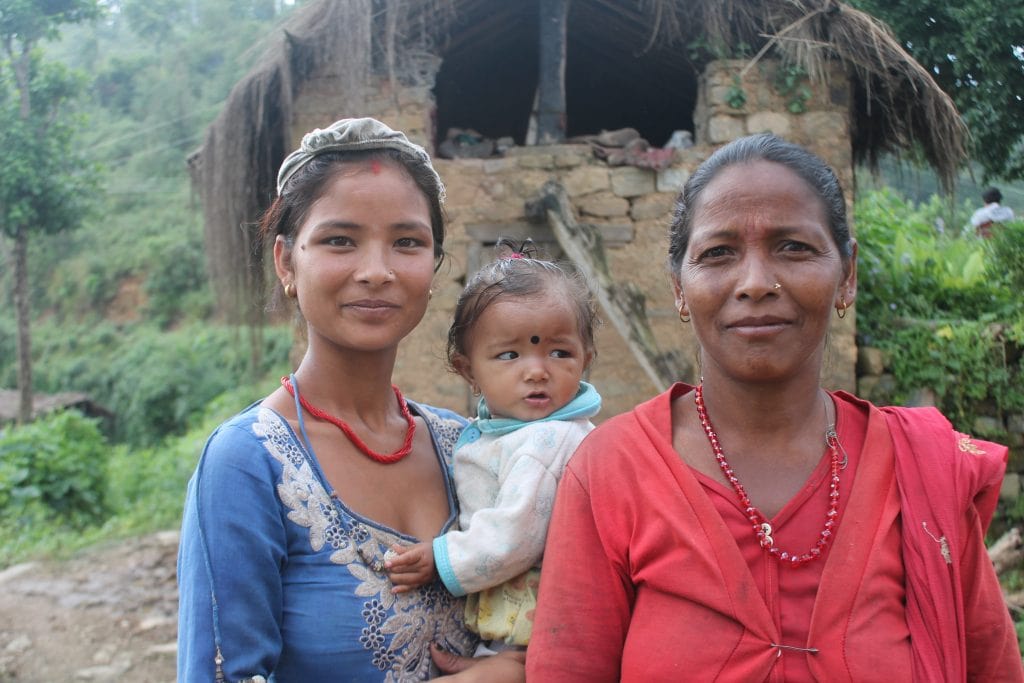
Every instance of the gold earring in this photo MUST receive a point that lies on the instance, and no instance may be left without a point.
(841, 308)
(289, 290)
(681, 318)
(430, 294)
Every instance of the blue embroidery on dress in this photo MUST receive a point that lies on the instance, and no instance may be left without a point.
(399, 628)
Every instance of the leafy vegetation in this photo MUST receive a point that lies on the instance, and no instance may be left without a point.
(973, 50)
(46, 179)
(735, 96)
(141, 489)
(910, 269)
(945, 306)
(52, 471)
(121, 306)
(792, 83)
(1006, 257)
(156, 381)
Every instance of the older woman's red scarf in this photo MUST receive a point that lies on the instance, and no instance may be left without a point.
(940, 474)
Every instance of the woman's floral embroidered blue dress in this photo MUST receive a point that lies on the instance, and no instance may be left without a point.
(287, 582)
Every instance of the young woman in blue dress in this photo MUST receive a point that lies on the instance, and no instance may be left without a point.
(296, 499)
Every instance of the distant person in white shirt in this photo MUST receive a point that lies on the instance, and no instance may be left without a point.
(992, 212)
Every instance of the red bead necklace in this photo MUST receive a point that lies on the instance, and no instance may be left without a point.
(384, 458)
(762, 527)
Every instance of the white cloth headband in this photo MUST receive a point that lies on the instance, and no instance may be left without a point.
(348, 135)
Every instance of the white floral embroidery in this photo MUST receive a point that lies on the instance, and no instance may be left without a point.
(399, 628)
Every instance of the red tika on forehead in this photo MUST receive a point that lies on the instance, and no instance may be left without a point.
(375, 166)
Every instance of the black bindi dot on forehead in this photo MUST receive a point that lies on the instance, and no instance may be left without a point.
(535, 339)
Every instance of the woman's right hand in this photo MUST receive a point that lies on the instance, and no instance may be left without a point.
(508, 666)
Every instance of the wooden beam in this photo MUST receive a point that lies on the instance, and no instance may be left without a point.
(622, 302)
(554, 16)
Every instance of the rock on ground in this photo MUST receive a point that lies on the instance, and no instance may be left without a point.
(107, 615)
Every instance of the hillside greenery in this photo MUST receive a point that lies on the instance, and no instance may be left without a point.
(121, 307)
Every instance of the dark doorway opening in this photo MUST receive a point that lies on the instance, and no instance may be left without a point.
(613, 77)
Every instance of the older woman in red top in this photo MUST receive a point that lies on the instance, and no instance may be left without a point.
(757, 527)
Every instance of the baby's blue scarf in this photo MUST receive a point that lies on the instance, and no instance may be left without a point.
(586, 404)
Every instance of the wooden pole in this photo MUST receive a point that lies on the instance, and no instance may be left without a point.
(554, 16)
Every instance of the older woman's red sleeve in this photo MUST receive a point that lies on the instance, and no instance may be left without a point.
(584, 599)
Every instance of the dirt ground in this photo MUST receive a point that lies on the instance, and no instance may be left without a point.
(109, 614)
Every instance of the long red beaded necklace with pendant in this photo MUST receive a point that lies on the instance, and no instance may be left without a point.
(384, 458)
(762, 527)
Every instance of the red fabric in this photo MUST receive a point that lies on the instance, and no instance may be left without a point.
(949, 486)
(643, 580)
(791, 593)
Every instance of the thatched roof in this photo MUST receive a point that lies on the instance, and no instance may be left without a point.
(896, 107)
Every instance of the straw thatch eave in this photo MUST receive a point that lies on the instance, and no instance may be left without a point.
(235, 168)
(896, 107)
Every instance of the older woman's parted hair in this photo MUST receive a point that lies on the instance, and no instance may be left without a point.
(761, 147)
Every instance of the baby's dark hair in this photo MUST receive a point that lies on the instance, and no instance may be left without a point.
(519, 272)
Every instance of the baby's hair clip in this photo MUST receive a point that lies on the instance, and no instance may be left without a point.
(509, 249)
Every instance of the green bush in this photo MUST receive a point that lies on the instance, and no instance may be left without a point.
(82, 286)
(1005, 254)
(165, 379)
(147, 485)
(946, 307)
(144, 487)
(970, 365)
(53, 470)
(908, 270)
(174, 279)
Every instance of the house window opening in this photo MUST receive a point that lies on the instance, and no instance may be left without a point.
(486, 88)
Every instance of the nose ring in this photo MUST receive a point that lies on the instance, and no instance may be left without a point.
(777, 286)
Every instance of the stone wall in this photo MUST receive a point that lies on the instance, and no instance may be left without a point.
(876, 383)
(630, 205)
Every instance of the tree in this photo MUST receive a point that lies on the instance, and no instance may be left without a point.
(44, 183)
(975, 51)
(155, 19)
